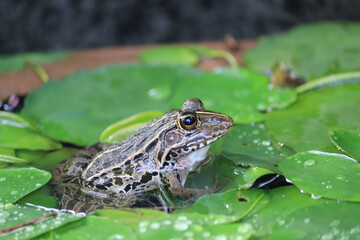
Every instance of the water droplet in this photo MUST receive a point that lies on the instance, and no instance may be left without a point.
(281, 222)
(220, 237)
(155, 225)
(206, 234)
(116, 237)
(309, 162)
(181, 226)
(244, 228)
(340, 177)
(315, 197)
(265, 143)
(38, 185)
(3, 179)
(4, 214)
(329, 187)
(306, 220)
(13, 192)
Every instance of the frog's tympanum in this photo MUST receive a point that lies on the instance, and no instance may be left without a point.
(162, 153)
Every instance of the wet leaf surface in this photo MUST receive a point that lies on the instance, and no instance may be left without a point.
(14, 215)
(305, 124)
(18, 182)
(277, 203)
(81, 118)
(347, 141)
(329, 220)
(232, 203)
(321, 174)
(310, 50)
(239, 93)
(252, 144)
(92, 228)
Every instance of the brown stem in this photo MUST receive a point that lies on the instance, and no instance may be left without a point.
(36, 220)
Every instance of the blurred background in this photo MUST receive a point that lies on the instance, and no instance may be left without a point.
(65, 24)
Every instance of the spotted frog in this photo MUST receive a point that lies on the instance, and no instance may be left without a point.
(162, 153)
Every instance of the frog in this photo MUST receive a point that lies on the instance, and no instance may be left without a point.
(160, 154)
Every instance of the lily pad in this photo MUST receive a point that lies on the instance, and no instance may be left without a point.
(311, 50)
(92, 228)
(277, 203)
(124, 128)
(15, 63)
(130, 218)
(232, 203)
(347, 141)
(170, 55)
(180, 230)
(321, 174)
(40, 197)
(252, 144)
(188, 55)
(7, 155)
(305, 124)
(18, 133)
(240, 93)
(330, 220)
(50, 159)
(121, 91)
(16, 183)
(13, 215)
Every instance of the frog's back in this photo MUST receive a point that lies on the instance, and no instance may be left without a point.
(137, 147)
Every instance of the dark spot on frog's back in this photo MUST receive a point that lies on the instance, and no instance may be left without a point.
(151, 145)
(138, 156)
(146, 177)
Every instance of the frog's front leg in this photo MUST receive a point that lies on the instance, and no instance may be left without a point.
(177, 188)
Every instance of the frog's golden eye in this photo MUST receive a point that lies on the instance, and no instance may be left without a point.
(188, 121)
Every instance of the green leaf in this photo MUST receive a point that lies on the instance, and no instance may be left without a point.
(180, 230)
(128, 126)
(305, 124)
(278, 202)
(252, 174)
(232, 203)
(311, 50)
(16, 132)
(7, 155)
(16, 183)
(321, 174)
(187, 225)
(130, 218)
(92, 228)
(252, 144)
(13, 215)
(239, 93)
(120, 91)
(15, 63)
(51, 159)
(183, 55)
(40, 197)
(347, 141)
(330, 220)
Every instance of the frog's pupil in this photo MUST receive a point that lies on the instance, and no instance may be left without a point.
(189, 120)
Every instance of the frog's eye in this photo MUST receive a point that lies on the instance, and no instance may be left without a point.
(188, 121)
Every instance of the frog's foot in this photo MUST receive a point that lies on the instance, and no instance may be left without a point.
(192, 193)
